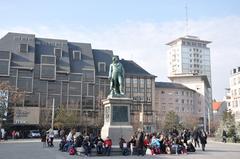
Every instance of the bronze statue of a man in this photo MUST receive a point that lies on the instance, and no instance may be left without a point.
(116, 76)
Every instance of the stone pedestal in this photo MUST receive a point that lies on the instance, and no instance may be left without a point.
(117, 119)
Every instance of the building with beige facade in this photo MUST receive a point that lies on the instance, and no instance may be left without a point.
(202, 104)
(175, 97)
(234, 100)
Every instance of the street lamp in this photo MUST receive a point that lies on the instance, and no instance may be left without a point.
(86, 115)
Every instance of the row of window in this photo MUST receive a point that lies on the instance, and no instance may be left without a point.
(236, 80)
(235, 92)
(58, 52)
(199, 44)
(186, 93)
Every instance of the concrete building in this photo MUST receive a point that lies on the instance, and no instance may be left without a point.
(189, 56)
(200, 84)
(178, 98)
(234, 101)
(71, 73)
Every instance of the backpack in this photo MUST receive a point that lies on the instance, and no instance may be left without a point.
(72, 151)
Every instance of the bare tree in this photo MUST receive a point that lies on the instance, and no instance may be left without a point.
(8, 94)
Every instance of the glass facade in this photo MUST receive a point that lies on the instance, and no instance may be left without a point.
(80, 89)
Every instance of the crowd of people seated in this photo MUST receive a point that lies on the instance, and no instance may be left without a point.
(172, 142)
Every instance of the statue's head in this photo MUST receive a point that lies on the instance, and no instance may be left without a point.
(115, 59)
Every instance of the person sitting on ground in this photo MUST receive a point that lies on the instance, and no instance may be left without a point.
(107, 146)
(99, 144)
(190, 147)
(146, 142)
(132, 141)
(155, 145)
(123, 146)
(69, 140)
(79, 140)
(87, 146)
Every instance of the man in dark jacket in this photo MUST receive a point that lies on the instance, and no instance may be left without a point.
(140, 142)
(203, 139)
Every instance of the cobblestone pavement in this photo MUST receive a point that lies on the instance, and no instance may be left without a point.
(32, 149)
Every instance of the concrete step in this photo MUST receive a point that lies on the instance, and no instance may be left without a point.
(115, 151)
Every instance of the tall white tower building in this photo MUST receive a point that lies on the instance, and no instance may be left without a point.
(189, 56)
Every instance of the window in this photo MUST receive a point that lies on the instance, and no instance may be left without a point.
(5, 57)
(58, 52)
(48, 67)
(88, 75)
(25, 80)
(101, 67)
(77, 55)
(23, 48)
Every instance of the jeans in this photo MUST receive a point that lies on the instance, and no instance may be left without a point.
(99, 149)
(67, 145)
(107, 151)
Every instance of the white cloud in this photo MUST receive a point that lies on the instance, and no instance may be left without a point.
(145, 43)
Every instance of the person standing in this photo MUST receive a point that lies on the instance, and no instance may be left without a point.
(140, 142)
(44, 138)
(203, 139)
(224, 136)
(195, 136)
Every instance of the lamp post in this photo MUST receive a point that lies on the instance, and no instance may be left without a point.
(141, 115)
(53, 105)
(86, 115)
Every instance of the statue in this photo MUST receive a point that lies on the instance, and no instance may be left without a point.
(116, 76)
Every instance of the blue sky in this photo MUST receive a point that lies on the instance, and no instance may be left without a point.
(93, 13)
(134, 29)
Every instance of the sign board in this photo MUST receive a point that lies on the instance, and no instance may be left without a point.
(120, 114)
(26, 115)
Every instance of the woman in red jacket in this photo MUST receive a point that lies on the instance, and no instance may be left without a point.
(107, 146)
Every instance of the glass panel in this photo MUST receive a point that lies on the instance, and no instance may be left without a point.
(40, 86)
(61, 77)
(25, 73)
(87, 102)
(88, 75)
(90, 89)
(25, 84)
(13, 72)
(4, 65)
(141, 83)
(4, 55)
(75, 88)
(48, 60)
(43, 100)
(54, 87)
(31, 100)
(75, 77)
(74, 102)
(135, 84)
(48, 72)
(24, 48)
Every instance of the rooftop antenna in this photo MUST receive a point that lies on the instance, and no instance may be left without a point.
(186, 14)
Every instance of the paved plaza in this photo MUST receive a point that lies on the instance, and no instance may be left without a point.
(32, 149)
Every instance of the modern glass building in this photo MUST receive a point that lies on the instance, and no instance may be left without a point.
(72, 74)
